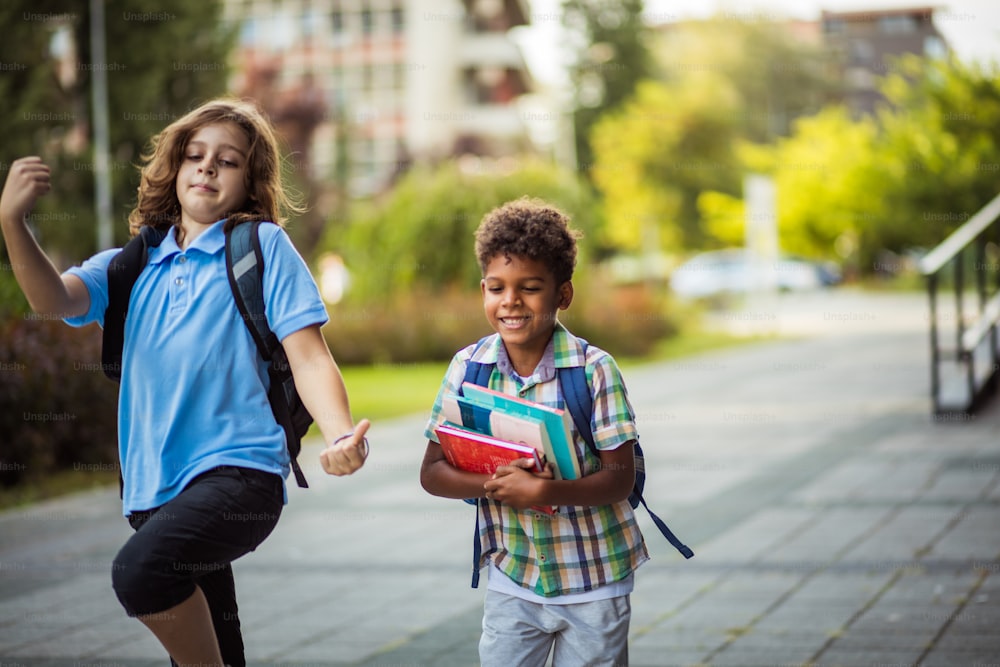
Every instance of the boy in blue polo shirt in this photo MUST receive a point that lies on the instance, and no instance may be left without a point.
(203, 460)
(559, 583)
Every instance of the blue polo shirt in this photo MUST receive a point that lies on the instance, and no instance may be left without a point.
(193, 387)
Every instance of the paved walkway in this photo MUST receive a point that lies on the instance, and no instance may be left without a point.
(835, 523)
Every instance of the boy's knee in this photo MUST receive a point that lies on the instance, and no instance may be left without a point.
(129, 575)
(145, 584)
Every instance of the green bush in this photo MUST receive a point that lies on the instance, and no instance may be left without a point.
(420, 326)
(57, 410)
(625, 320)
(420, 238)
(423, 326)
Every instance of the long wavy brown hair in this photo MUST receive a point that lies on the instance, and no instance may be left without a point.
(267, 198)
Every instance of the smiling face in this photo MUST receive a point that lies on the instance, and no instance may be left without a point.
(521, 299)
(211, 181)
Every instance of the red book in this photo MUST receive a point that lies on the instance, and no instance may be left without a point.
(475, 452)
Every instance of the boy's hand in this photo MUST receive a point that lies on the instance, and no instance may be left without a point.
(346, 456)
(517, 484)
(29, 179)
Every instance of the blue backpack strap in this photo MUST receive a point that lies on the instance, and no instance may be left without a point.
(477, 373)
(123, 271)
(245, 269)
(578, 399)
(577, 396)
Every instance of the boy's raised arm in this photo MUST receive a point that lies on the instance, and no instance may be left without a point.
(47, 291)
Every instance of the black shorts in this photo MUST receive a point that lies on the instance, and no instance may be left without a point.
(220, 516)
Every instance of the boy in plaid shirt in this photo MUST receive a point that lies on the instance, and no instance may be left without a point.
(557, 583)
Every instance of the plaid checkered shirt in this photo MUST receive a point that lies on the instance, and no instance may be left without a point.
(578, 548)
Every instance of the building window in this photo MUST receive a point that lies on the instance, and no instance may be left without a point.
(897, 25)
(934, 47)
(398, 19)
(367, 21)
(862, 50)
(248, 32)
(337, 20)
(835, 26)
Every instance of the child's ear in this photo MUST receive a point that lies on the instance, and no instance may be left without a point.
(565, 295)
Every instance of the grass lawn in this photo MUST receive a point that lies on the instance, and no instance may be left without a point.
(391, 390)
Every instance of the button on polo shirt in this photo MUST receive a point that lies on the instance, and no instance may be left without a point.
(192, 397)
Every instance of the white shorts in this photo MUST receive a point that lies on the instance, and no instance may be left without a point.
(522, 633)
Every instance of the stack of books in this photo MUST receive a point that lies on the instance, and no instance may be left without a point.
(486, 429)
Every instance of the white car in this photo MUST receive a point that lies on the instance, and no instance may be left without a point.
(735, 271)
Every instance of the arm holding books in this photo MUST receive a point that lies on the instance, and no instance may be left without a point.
(440, 478)
(612, 483)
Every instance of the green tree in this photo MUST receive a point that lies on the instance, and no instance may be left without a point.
(903, 179)
(612, 56)
(778, 78)
(718, 82)
(655, 155)
(421, 237)
(940, 146)
(829, 183)
(161, 61)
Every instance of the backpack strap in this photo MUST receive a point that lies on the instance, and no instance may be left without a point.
(123, 271)
(477, 373)
(580, 402)
(245, 269)
(578, 399)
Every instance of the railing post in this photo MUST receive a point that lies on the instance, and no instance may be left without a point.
(960, 324)
(979, 269)
(932, 283)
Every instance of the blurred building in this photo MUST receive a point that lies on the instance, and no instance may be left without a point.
(865, 43)
(386, 83)
(862, 45)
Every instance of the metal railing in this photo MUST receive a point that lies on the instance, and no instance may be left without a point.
(965, 362)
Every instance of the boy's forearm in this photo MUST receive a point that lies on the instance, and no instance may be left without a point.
(319, 383)
(600, 488)
(35, 274)
(612, 483)
(322, 390)
(440, 478)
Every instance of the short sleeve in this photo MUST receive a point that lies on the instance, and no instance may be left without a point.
(452, 382)
(614, 419)
(94, 274)
(292, 299)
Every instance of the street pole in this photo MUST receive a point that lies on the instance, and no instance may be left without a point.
(99, 104)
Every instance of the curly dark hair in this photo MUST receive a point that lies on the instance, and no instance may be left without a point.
(529, 228)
